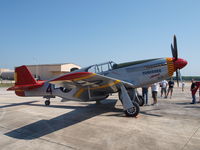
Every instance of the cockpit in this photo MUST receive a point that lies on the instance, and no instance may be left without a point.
(103, 67)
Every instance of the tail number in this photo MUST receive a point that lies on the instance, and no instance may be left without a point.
(49, 89)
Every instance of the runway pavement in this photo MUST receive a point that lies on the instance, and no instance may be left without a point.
(26, 124)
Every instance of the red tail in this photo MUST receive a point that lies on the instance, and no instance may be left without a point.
(23, 76)
(24, 80)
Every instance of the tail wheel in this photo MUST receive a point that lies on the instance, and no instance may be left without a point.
(47, 102)
(133, 112)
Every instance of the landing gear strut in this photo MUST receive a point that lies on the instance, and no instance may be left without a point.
(134, 96)
(131, 108)
(140, 100)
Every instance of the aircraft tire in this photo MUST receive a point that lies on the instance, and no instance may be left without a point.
(47, 102)
(134, 111)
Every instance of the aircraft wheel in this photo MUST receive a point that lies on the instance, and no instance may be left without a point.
(140, 100)
(133, 112)
(47, 102)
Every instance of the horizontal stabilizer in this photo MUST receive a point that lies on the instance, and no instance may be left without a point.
(26, 87)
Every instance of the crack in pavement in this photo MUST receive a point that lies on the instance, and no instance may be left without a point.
(190, 138)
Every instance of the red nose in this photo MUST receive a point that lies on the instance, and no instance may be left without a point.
(179, 63)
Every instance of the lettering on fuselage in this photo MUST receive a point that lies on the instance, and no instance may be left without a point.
(151, 71)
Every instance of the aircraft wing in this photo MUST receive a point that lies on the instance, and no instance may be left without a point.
(89, 83)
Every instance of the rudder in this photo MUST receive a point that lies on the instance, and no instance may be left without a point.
(23, 76)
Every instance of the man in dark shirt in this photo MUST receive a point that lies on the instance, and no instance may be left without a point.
(199, 95)
(198, 87)
(193, 91)
(170, 88)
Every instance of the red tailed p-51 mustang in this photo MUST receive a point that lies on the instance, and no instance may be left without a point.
(96, 82)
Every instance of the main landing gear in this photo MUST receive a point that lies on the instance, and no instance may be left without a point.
(134, 96)
(131, 108)
(133, 111)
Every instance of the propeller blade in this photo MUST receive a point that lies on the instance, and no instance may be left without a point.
(177, 78)
(175, 48)
(172, 49)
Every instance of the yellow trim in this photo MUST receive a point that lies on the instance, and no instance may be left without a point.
(15, 77)
(170, 66)
(86, 77)
(106, 85)
(19, 90)
(80, 91)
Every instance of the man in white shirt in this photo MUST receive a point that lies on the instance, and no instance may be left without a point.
(163, 85)
(154, 89)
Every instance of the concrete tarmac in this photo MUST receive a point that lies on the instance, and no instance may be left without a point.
(26, 124)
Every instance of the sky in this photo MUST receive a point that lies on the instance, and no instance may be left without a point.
(87, 32)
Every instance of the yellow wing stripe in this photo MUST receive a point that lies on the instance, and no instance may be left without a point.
(80, 91)
(106, 85)
(86, 77)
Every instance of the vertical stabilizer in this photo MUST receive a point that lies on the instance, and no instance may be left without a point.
(23, 76)
(24, 81)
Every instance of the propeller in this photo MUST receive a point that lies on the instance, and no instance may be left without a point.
(174, 50)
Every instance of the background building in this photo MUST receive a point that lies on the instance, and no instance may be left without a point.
(48, 71)
(43, 71)
(6, 74)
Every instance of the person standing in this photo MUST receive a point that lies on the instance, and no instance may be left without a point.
(199, 95)
(183, 85)
(155, 89)
(193, 89)
(164, 88)
(198, 87)
(145, 94)
(170, 88)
